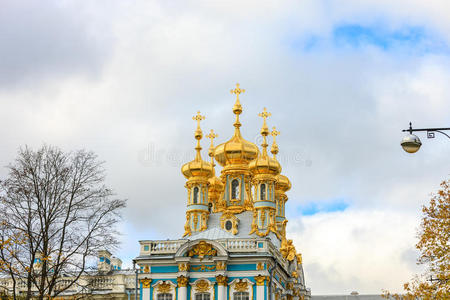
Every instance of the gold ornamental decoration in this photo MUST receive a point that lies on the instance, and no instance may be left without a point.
(182, 281)
(183, 267)
(290, 285)
(299, 258)
(221, 266)
(260, 266)
(164, 287)
(202, 286)
(146, 269)
(260, 280)
(203, 268)
(202, 249)
(288, 250)
(222, 280)
(187, 226)
(295, 274)
(241, 286)
(146, 282)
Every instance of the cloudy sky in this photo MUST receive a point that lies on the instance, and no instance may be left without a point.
(341, 78)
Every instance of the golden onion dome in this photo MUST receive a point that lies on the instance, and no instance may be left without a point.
(265, 165)
(237, 150)
(283, 183)
(198, 167)
(215, 183)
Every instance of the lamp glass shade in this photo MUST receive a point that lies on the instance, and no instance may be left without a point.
(411, 143)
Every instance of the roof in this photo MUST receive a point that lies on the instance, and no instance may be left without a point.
(215, 231)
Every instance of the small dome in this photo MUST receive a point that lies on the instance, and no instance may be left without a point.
(215, 182)
(197, 168)
(265, 165)
(283, 183)
(236, 151)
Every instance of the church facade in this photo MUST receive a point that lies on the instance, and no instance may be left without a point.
(234, 245)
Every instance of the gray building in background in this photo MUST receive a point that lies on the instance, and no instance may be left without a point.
(353, 296)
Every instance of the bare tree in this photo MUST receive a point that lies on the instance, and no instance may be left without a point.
(56, 214)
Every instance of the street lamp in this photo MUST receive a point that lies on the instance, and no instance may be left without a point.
(411, 142)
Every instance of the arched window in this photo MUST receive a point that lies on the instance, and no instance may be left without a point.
(235, 189)
(202, 296)
(164, 296)
(195, 195)
(240, 296)
(262, 191)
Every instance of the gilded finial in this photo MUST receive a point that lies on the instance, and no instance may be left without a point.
(237, 91)
(274, 148)
(211, 136)
(264, 130)
(198, 134)
(237, 108)
(265, 114)
(198, 118)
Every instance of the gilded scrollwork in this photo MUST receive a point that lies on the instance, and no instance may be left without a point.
(241, 286)
(287, 249)
(202, 286)
(222, 280)
(187, 226)
(221, 266)
(260, 280)
(203, 268)
(183, 267)
(202, 249)
(182, 281)
(164, 287)
(146, 282)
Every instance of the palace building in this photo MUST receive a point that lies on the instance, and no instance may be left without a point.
(234, 245)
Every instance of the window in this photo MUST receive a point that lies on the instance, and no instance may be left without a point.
(164, 296)
(235, 189)
(201, 296)
(195, 195)
(262, 191)
(228, 225)
(239, 296)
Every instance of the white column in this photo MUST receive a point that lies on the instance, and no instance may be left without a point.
(260, 292)
(145, 293)
(145, 283)
(182, 293)
(182, 287)
(261, 287)
(222, 282)
(221, 292)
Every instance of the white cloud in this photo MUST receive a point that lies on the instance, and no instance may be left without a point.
(352, 250)
(339, 111)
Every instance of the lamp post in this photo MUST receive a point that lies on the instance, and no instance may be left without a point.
(411, 142)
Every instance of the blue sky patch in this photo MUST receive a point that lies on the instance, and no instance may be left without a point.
(409, 39)
(313, 208)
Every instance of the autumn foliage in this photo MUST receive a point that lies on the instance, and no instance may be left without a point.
(434, 247)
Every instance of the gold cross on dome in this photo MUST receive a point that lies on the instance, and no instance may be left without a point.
(265, 114)
(237, 91)
(198, 118)
(274, 132)
(212, 136)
